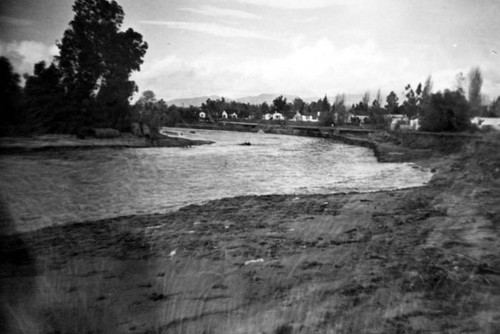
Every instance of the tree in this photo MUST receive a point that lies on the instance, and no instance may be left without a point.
(366, 98)
(44, 94)
(96, 60)
(427, 90)
(299, 105)
(10, 95)
(280, 105)
(325, 105)
(339, 109)
(392, 104)
(411, 106)
(447, 111)
(475, 82)
(460, 79)
(494, 108)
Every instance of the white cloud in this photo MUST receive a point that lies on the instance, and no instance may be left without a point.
(216, 11)
(15, 21)
(209, 28)
(307, 70)
(292, 4)
(25, 54)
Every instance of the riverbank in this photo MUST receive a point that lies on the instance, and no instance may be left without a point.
(69, 142)
(407, 261)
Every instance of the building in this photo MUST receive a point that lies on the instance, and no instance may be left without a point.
(224, 114)
(482, 122)
(278, 117)
(202, 115)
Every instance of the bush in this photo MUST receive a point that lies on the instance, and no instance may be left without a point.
(446, 111)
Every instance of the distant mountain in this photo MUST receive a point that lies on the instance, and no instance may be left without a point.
(193, 101)
(259, 99)
(268, 98)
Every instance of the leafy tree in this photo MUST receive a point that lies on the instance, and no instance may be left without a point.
(411, 106)
(376, 112)
(10, 96)
(280, 105)
(475, 82)
(45, 102)
(494, 108)
(214, 108)
(447, 111)
(299, 105)
(325, 105)
(264, 109)
(392, 105)
(96, 60)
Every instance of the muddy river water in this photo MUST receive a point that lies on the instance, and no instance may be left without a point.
(45, 188)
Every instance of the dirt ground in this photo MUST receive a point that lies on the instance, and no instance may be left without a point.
(421, 260)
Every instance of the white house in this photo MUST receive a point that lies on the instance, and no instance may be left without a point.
(415, 124)
(267, 116)
(202, 115)
(309, 118)
(224, 114)
(278, 117)
(487, 121)
(233, 115)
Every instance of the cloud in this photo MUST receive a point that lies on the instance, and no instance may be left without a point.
(218, 12)
(209, 28)
(312, 69)
(25, 54)
(15, 21)
(294, 4)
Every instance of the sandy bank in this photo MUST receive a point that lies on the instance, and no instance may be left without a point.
(59, 142)
(406, 261)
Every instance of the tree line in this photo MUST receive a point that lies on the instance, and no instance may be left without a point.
(86, 85)
(448, 110)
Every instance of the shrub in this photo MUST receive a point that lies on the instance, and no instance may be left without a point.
(446, 111)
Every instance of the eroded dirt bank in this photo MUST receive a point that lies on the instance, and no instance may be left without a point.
(406, 261)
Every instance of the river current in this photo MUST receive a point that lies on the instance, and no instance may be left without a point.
(46, 188)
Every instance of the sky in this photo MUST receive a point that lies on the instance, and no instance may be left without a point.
(309, 48)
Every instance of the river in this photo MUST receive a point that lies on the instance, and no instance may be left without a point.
(46, 188)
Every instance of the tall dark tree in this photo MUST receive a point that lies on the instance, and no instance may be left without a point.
(325, 105)
(392, 104)
(299, 105)
(44, 95)
(96, 60)
(447, 111)
(494, 108)
(10, 95)
(411, 106)
(280, 105)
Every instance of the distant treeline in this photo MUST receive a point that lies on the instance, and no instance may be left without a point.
(450, 110)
